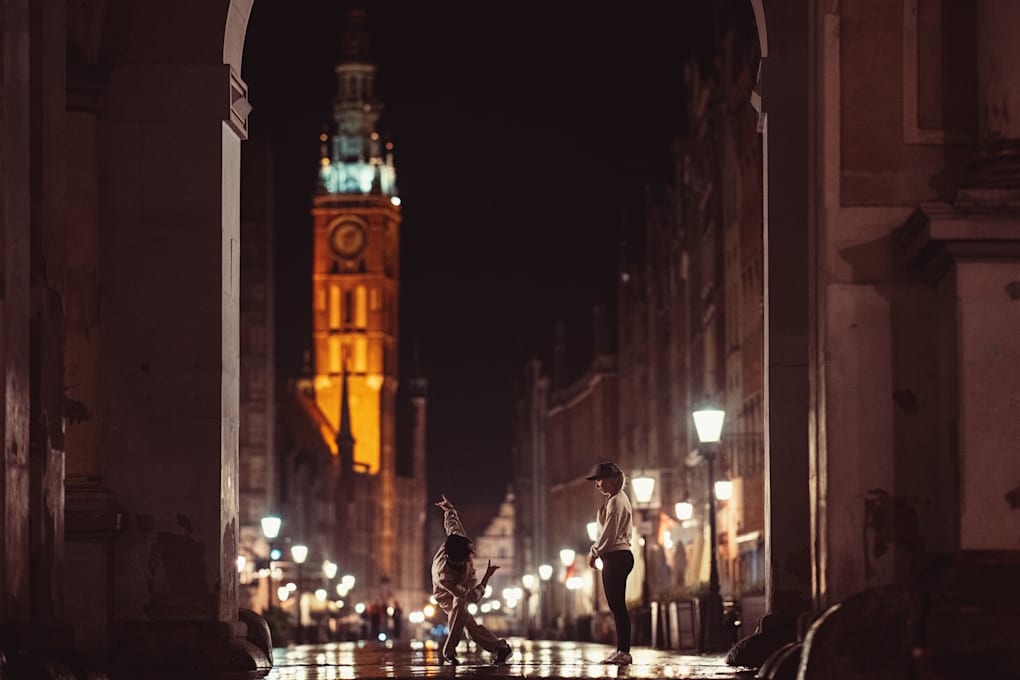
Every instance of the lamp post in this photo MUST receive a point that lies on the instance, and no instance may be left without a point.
(567, 556)
(644, 489)
(545, 572)
(270, 529)
(299, 553)
(708, 422)
(593, 533)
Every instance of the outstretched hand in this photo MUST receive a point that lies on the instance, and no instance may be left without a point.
(445, 504)
(490, 569)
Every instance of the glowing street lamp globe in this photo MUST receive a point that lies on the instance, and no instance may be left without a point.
(545, 571)
(567, 557)
(684, 510)
(644, 488)
(708, 422)
(271, 526)
(299, 553)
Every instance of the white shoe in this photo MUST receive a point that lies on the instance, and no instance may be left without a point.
(618, 658)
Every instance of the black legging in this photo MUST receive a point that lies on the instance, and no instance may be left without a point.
(616, 566)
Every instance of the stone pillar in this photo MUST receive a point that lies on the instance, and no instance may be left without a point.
(169, 250)
(15, 182)
(788, 271)
(998, 73)
(785, 123)
(91, 516)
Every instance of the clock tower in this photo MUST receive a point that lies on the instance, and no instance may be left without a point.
(356, 273)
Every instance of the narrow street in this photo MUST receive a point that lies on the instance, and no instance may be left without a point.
(531, 659)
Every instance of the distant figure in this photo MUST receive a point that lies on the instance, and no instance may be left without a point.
(454, 586)
(612, 544)
(375, 616)
(398, 615)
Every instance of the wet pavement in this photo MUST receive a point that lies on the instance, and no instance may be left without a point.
(531, 659)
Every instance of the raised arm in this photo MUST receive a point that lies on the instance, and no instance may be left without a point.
(451, 520)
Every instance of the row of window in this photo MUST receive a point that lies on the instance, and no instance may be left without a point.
(350, 307)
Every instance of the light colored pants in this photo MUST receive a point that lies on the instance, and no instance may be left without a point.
(459, 620)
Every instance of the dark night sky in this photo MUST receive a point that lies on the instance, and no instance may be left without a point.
(522, 135)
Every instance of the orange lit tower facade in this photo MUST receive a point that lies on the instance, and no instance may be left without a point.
(355, 277)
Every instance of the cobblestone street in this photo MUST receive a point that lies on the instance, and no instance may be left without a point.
(531, 659)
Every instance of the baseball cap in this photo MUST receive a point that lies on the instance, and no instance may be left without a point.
(604, 470)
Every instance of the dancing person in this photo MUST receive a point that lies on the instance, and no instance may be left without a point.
(454, 586)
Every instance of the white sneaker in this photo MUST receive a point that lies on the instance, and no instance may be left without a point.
(618, 658)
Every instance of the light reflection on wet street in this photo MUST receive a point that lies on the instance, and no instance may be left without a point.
(531, 659)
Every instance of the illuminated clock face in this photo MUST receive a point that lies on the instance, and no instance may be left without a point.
(347, 239)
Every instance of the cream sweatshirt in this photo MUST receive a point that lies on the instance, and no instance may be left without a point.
(616, 524)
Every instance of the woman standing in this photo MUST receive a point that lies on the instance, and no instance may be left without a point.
(612, 545)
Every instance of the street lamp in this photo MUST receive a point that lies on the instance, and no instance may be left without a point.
(299, 553)
(644, 489)
(708, 422)
(270, 529)
(567, 556)
(545, 572)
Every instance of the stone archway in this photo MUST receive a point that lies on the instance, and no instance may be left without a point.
(152, 489)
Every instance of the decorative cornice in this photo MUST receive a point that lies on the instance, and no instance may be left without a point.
(978, 227)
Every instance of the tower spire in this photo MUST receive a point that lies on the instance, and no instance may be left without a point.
(344, 436)
(356, 159)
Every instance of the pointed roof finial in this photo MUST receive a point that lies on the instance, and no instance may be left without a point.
(344, 436)
(356, 35)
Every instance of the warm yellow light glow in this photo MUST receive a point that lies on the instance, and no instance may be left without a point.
(361, 307)
(545, 571)
(334, 353)
(593, 530)
(528, 581)
(324, 161)
(567, 557)
(360, 354)
(429, 610)
(334, 307)
(323, 137)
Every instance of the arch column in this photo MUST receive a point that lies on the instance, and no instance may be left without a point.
(783, 99)
(169, 253)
